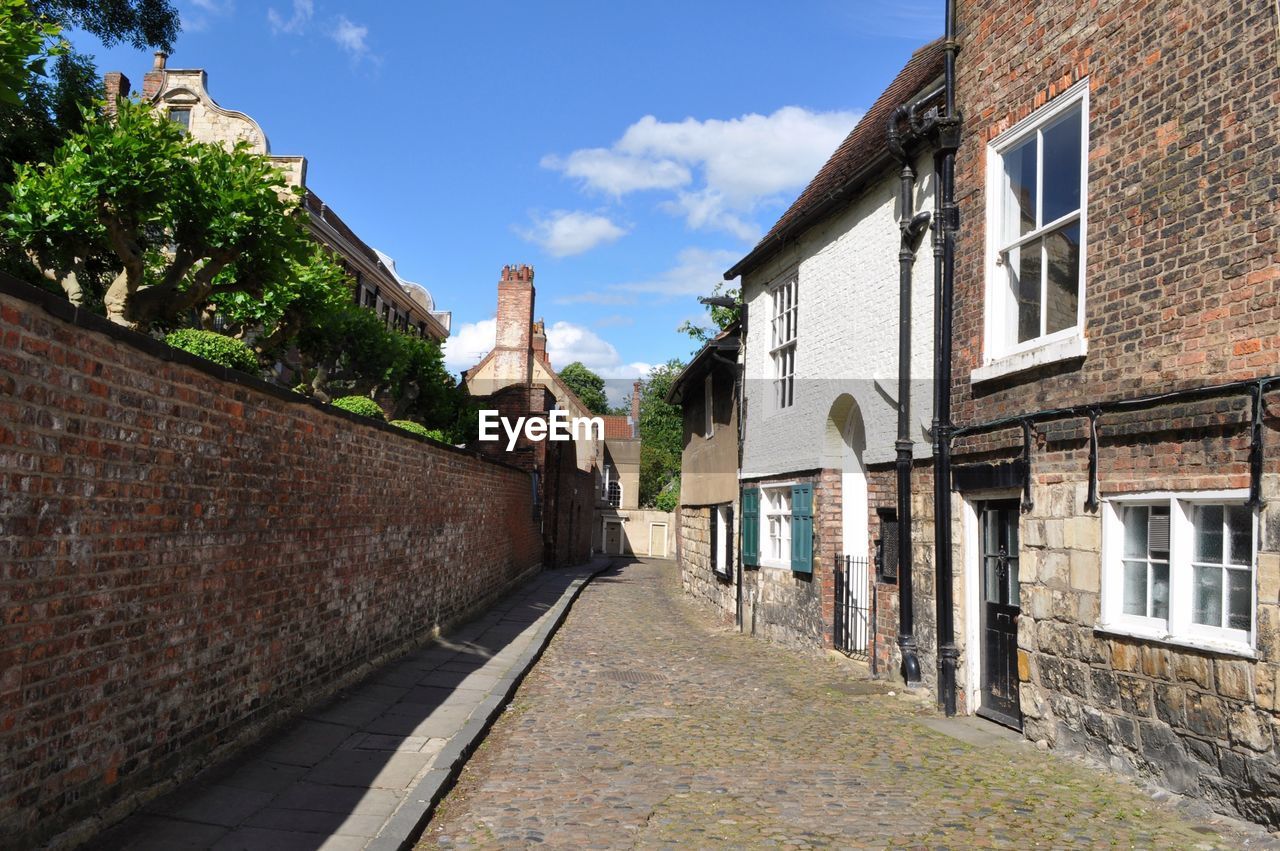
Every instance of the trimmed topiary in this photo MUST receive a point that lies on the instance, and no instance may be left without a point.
(219, 348)
(420, 430)
(362, 405)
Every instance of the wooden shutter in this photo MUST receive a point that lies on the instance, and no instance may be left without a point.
(802, 528)
(714, 538)
(751, 526)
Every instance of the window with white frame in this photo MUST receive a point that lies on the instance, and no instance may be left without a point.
(1181, 568)
(775, 522)
(722, 518)
(1036, 223)
(611, 487)
(783, 349)
(709, 423)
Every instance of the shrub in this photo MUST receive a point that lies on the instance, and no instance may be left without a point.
(669, 498)
(222, 350)
(362, 405)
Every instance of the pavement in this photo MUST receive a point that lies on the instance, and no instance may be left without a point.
(649, 724)
(363, 770)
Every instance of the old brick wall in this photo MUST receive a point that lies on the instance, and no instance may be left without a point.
(186, 560)
(696, 576)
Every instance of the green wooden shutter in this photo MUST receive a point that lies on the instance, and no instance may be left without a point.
(802, 528)
(751, 526)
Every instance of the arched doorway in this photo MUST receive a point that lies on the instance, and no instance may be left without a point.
(846, 439)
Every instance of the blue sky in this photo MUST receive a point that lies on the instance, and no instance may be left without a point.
(630, 152)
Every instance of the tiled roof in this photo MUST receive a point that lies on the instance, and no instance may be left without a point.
(863, 148)
(617, 427)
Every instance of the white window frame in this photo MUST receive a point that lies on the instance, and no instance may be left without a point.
(1001, 355)
(767, 511)
(1179, 629)
(719, 559)
(709, 424)
(784, 301)
(606, 481)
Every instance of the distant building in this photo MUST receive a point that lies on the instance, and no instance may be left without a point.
(184, 96)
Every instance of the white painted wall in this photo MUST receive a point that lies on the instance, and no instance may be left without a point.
(848, 336)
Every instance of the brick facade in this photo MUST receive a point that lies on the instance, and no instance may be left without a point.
(189, 557)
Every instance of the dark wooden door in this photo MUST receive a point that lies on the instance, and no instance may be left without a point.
(999, 613)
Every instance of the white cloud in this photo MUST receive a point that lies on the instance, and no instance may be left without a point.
(303, 10)
(563, 233)
(696, 272)
(468, 343)
(719, 170)
(351, 37)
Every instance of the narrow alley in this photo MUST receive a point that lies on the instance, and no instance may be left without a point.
(647, 725)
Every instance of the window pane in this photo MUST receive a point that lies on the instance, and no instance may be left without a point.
(1062, 168)
(1135, 531)
(1239, 598)
(1207, 600)
(1160, 591)
(1240, 530)
(1020, 166)
(1063, 249)
(1209, 533)
(1027, 290)
(991, 574)
(1135, 588)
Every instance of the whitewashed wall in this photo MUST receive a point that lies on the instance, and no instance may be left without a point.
(848, 336)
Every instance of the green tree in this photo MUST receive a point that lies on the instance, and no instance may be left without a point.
(139, 23)
(588, 387)
(721, 317)
(176, 223)
(661, 432)
(26, 42)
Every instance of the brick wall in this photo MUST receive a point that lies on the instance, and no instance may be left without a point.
(186, 560)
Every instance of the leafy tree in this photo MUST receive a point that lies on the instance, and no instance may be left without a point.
(661, 432)
(177, 223)
(588, 386)
(721, 317)
(25, 45)
(139, 23)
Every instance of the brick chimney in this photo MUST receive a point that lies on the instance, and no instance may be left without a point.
(116, 86)
(515, 324)
(153, 80)
(635, 409)
(540, 341)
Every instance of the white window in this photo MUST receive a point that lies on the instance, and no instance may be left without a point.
(723, 519)
(783, 350)
(611, 487)
(775, 522)
(709, 423)
(1181, 568)
(1036, 217)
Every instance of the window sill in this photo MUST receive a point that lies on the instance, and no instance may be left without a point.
(1054, 351)
(1223, 646)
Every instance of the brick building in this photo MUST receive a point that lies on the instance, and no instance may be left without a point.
(184, 97)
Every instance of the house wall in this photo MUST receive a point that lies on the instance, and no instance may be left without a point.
(1183, 265)
(190, 557)
(700, 581)
(709, 465)
(636, 525)
(848, 332)
(625, 457)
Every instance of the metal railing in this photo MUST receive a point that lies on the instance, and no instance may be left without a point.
(855, 606)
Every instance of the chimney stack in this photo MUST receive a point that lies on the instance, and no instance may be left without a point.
(540, 341)
(153, 80)
(635, 409)
(513, 350)
(116, 86)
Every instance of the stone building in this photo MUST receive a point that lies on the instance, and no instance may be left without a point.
(183, 95)
(1116, 489)
(820, 293)
(707, 391)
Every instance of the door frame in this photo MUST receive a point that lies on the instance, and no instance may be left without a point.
(604, 536)
(666, 539)
(972, 539)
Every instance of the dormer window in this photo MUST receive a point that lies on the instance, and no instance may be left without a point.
(182, 118)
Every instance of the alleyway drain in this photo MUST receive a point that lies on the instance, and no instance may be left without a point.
(644, 725)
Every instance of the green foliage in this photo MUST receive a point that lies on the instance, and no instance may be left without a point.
(175, 223)
(588, 387)
(222, 350)
(421, 430)
(669, 497)
(661, 433)
(26, 43)
(140, 23)
(721, 317)
(362, 405)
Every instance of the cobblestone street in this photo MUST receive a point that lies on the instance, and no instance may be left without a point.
(647, 725)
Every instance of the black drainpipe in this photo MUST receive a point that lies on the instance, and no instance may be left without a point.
(945, 227)
(912, 226)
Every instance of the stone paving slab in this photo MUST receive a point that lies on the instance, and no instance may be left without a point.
(363, 770)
